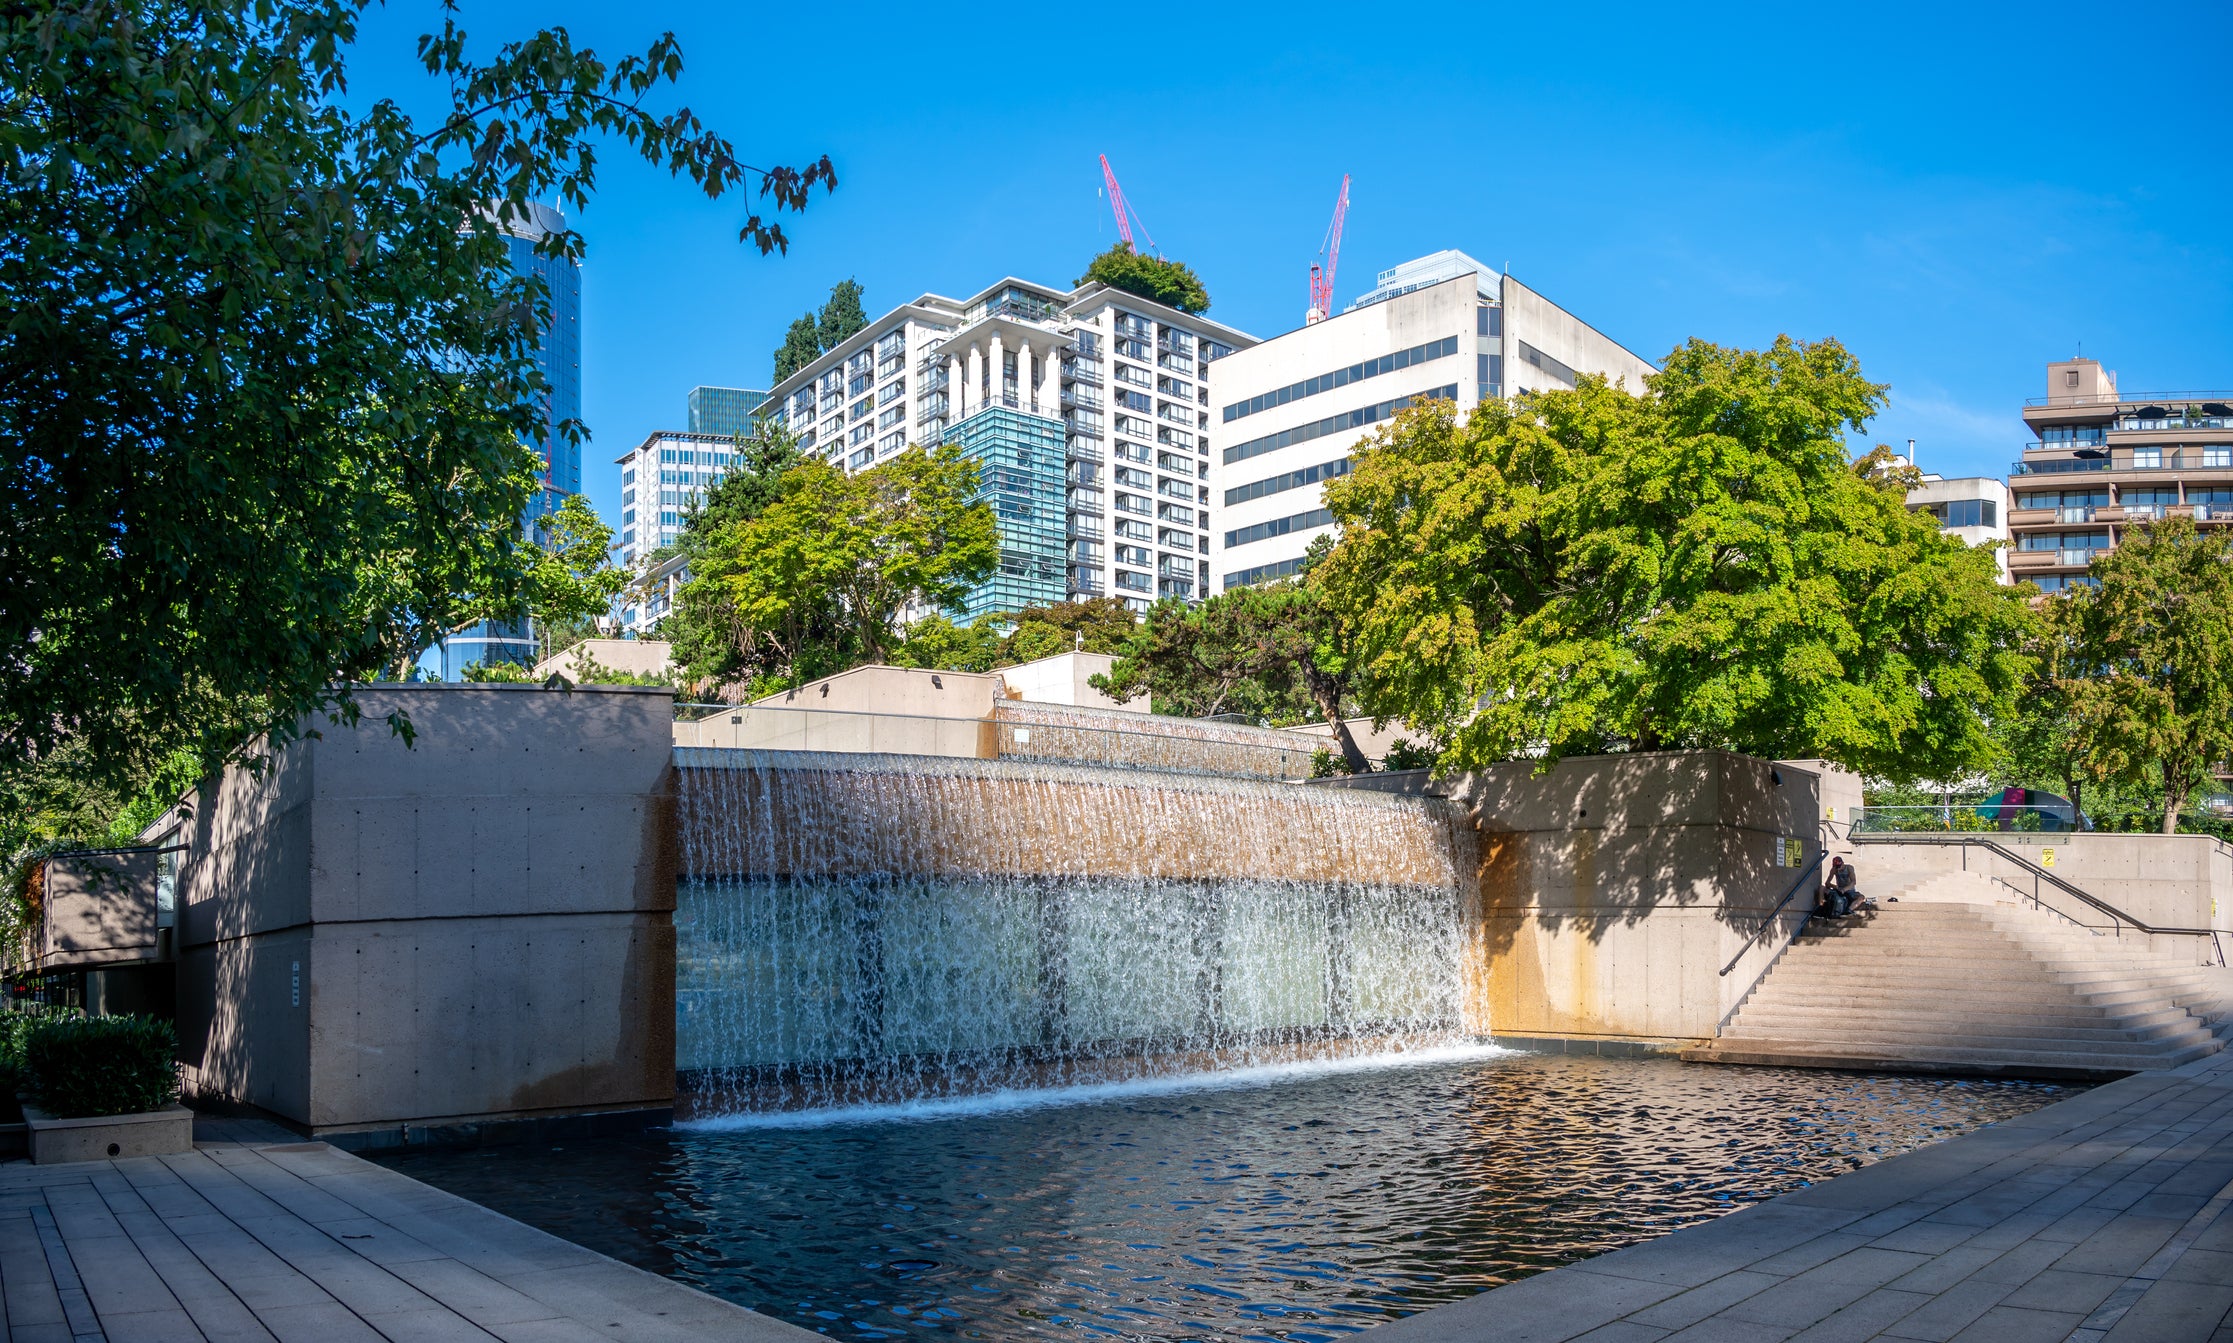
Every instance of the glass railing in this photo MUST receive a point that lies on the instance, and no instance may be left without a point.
(2058, 466)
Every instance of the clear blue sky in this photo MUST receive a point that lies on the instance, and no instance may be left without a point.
(1958, 192)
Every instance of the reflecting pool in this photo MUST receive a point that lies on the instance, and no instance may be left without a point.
(1281, 1203)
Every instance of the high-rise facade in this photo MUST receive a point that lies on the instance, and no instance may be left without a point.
(726, 411)
(1289, 410)
(661, 478)
(558, 355)
(1086, 410)
(2102, 461)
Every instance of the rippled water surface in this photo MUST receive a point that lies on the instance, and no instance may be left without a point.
(1290, 1205)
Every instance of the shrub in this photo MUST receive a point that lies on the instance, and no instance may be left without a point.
(1404, 754)
(79, 1067)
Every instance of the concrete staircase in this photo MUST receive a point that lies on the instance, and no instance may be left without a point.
(1952, 978)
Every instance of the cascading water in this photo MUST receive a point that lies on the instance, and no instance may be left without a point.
(861, 928)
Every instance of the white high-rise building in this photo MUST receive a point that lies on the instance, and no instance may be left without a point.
(660, 479)
(1087, 410)
(1289, 410)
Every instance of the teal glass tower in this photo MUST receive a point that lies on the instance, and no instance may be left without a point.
(1019, 459)
(726, 411)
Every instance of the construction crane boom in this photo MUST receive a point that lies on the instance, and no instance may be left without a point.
(1126, 216)
(1322, 280)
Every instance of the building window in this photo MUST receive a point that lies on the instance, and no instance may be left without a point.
(1966, 513)
(2070, 377)
(1342, 377)
(1332, 424)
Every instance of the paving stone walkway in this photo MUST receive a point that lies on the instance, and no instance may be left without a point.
(296, 1241)
(2104, 1218)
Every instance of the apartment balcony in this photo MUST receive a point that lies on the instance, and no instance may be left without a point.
(1084, 448)
(2056, 466)
(1087, 371)
(1087, 502)
(1079, 395)
(2032, 517)
(2032, 561)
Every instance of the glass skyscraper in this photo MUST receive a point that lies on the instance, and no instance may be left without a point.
(726, 411)
(559, 356)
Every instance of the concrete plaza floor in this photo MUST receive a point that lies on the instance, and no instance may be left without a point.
(2107, 1217)
(290, 1240)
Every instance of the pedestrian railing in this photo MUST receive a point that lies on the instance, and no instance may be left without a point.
(2049, 892)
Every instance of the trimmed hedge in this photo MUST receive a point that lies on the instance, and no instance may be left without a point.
(81, 1067)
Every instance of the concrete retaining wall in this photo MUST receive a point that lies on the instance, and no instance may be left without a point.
(476, 928)
(2181, 881)
(1614, 889)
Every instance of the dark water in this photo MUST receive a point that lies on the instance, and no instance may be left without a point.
(1296, 1207)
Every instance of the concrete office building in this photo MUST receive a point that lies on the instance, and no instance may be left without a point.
(1974, 508)
(1289, 410)
(2104, 461)
(559, 358)
(1086, 410)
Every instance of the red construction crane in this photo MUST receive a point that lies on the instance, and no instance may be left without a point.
(1126, 216)
(1322, 281)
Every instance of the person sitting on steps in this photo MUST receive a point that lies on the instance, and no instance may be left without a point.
(1838, 889)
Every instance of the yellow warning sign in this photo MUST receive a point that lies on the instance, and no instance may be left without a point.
(2046, 857)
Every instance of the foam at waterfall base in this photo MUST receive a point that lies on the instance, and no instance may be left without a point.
(1140, 1087)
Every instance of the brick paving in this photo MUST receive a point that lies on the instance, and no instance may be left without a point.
(2102, 1218)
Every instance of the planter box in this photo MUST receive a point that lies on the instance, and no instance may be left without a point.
(108, 1137)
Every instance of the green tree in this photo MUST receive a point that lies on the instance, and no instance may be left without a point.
(816, 582)
(1695, 563)
(267, 371)
(801, 346)
(1272, 651)
(1170, 283)
(572, 579)
(841, 315)
(2053, 730)
(936, 643)
(1095, 625)
(2161, 632)
(753, 482)
(813, 335)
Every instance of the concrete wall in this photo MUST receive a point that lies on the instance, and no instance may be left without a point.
(475, 928)
(639, 657)
(1061, 679)
(1614, 889)
(96, 909)
(775, 728)
(2183, 881)
(896, 690)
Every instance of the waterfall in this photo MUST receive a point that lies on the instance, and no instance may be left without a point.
(862, 928)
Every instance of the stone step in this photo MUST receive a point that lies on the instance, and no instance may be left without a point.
(2046, 1064)
(1957, 979)
(1896, 988)
(1811, 1022)
(1957, 1051)
(1973, 1035)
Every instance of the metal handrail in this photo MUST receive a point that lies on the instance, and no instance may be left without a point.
(1777, 912)
(2040, 874)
